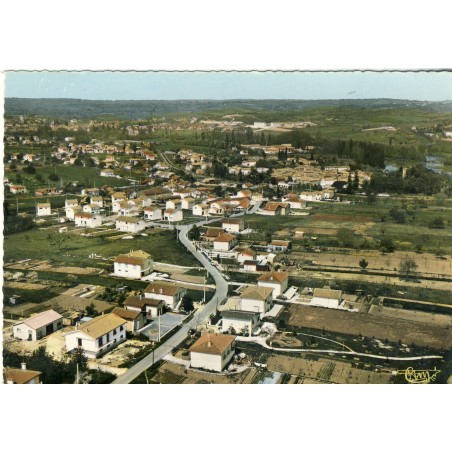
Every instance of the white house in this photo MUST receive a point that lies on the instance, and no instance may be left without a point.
(98, 200)
(135, 319)
(235, 321)
(276, 208)
(97, 336)
(152, 213)
(234, 225)
(224, 242)
(133, 265)
(175, 204)
(212, 351)
(256, 299)
(130, 224)
(326, 298)
(17, 189)
(70, 203)
(22, 376)
(91, 208)
(201, 210)
(38, 326)
(87, 220)
(188, 203)
(173, 215)
(150, 307)
(294, 201)
(279, 245)
(245, 254)
(43, 209)
(128, 209)
(278, 281)
(71, 211)
(167, 292)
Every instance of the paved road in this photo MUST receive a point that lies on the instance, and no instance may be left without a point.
(201, 315)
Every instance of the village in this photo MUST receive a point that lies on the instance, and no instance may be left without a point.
(246, 287)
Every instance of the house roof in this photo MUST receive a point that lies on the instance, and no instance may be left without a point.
(280, 242)
(43, 204)
(245, 251)
(84, 215)
(42, 319)
(163, 288)
(250, 263)
(231, 221)
(137, 257)
(239, 315)
(213, 232)
(225, 238)
(257, 292)
(273, 277)
(101, 325)
(328, 293)
(212, 344)
(140, 302)
(127, 219)
(272, 206)
(126, 314)
(19, 376)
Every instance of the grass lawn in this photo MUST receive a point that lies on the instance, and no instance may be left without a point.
(34, 244)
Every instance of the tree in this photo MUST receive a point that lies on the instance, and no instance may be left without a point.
(363, 264)
(58, 239)
(408, 268)
(194, 233)
(397, 215)
(54, 177)
(187, 303)
(345, 237)
(387, 245)
(436, 223)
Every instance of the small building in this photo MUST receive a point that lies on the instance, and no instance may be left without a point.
(43, 209)
(149, 307)
(276, 208)
(201, 210)
(326, 298)
(170, 293)
(17, 189)
(188, 203)
(174, 204)
(173, 215)
(234, 225)
(212, 233)
(135, 264)
(256, 299)
(245, 254)
(212, 351)
(87, 220)
(91, 208)
(224, 242)
(236, 321)
(38, 326)
(97, 336)
(22, 376)
(71, 211)
(130, 224)
(135, 319)
(279, 245)
(70, 203)
(152, 213)
(278, 281)
(250, 266)
(98, 200)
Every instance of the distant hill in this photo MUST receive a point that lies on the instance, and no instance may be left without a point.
(137, 109)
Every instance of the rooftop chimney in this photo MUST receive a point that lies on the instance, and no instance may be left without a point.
(209, 344)
(23, 366)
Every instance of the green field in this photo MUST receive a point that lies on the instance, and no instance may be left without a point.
(34, 244)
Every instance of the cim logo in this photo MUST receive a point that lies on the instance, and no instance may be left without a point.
(419, 376)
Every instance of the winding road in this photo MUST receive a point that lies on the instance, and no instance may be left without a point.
(201, 315)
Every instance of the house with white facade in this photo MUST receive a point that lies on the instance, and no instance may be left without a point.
(173, 215)
(135, 319)
(224, 242)
(256, 299)
(97, 336)
(151, 308)
(212, 351)
(276, 208)
(233, 225)
(201, 210)
(71, 211)
(38, 326)
(91, 208)
(278, 281)
(135, 264)
(326, 298)
(87, 220)
(43, 209)
(236, 321)
(17, 189)
(168, 292)
(188, 203)
(152, 213)
(128, 208)
(175, 204)
(70, 203)
(294, 201)
(97, 200)
(130, 224)
(245, 254)
(279, 245)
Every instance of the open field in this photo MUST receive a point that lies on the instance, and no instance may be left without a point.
(325, 371)
(34, 244)
(357, 323)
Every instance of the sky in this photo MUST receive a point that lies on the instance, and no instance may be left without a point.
(428, 86)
